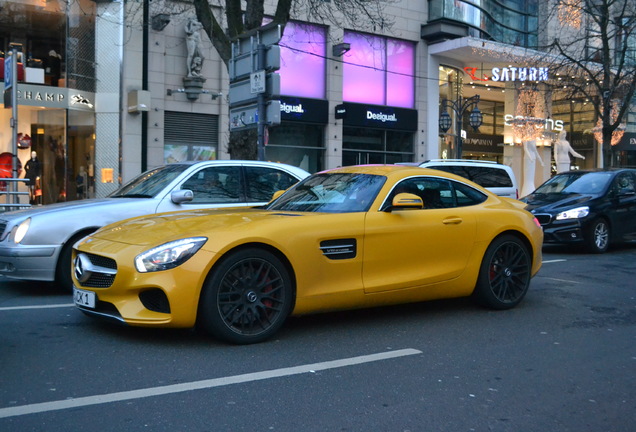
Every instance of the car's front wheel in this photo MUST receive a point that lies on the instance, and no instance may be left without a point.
(597, 236)
(247, 298)
(505, 273)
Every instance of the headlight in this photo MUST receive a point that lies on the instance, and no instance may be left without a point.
(169, 255)
(576, 213)
(21, 230)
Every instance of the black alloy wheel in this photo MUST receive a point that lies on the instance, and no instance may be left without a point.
(248, 297)
(505, 273)
(597, 236)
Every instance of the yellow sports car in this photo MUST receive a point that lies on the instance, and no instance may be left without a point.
(350, 237)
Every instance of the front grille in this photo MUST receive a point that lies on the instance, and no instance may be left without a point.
(102, 271)
(544, 218)
(3, 226)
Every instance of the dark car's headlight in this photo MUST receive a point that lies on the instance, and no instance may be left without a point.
(169, 255)
(575, 213)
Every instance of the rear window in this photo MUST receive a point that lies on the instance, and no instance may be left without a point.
(483, 176)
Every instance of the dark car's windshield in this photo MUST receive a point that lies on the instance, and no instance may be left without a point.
(578, 183)
(150, 183)
(331, 193)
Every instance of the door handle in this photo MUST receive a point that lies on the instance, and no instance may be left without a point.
(452, 221)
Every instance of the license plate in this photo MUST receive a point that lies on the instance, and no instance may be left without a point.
(84, 298)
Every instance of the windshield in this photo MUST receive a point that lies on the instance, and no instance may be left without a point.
(331, 193)
(150, 183)
(576, 183)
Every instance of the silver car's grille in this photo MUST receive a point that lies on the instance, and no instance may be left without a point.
(101, 273)
(3, 226)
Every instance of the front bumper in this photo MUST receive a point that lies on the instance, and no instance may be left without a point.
(565, 231)
(29, 262)
(168, 298)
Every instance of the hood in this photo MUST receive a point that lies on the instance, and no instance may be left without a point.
(165, 227)
(555, 202)
(76, 206)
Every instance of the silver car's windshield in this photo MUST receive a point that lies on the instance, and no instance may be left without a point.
(576, 183)
(331, 193)
(150, 183)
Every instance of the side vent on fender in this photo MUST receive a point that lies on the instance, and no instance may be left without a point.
(339, 249)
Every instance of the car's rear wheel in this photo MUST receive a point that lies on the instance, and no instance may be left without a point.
(247, 298)
(597, 236)
(505, 273)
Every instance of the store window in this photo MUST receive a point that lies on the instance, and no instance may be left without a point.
(297, 144)
(376, 146)
(303, 61)
(379, 71)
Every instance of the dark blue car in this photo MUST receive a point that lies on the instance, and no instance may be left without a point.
(593, 208)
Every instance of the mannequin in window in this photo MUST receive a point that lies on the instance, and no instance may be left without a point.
(562, 151)
(33, 172)
(80, 183)
(531, 155)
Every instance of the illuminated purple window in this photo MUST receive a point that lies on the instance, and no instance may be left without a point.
(302, 71)
(379, 71)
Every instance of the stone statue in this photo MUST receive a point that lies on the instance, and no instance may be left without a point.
(194, 62)
(562, 150)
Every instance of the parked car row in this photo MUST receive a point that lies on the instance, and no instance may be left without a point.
(235, 247)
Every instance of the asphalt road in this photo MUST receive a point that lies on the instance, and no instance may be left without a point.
(564, 360)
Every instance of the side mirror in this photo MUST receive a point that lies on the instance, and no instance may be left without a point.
(181, 196)
(276, 195)
(406, 201)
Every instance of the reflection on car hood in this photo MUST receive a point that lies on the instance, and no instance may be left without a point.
(165, 227)
(80, 206)
(550, 202)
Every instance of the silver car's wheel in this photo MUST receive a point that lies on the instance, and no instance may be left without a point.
(505, 274)
(247, 298)
(598, 236)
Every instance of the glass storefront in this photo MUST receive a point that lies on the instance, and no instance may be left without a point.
(56, 72)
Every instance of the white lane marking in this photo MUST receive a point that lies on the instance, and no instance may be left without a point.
(554, 261)
(562, 280)
(199, 385)
(9, 308)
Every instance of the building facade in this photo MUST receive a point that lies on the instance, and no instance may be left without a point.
(106, 92)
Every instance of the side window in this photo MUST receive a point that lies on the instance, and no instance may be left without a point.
(215, 185)
(467, 196)
(262, 182)
(490, 177)
(625, 183)
(435, 192)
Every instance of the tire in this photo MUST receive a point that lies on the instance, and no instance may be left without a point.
(64, 270)
(247, 298)
(505, 273)
(597, 236)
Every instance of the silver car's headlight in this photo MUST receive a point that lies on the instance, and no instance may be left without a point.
(169, 255)
(21, 230)
(575, 213)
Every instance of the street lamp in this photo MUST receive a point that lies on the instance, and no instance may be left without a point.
(460, 106)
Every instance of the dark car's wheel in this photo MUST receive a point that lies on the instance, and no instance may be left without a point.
(597, 236)
(505, 273)
(247, 298)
